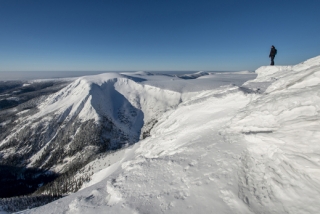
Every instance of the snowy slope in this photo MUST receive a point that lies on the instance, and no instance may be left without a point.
(110, 103)
(179, 169)
(249, 149)
(94, 114)
(281, 131)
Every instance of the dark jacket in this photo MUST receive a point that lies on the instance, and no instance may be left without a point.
(273, 52)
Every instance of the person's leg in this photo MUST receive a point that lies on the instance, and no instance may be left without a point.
(272, 60)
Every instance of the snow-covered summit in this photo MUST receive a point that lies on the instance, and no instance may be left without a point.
(89, 97)
(285, 76)
(92, 97)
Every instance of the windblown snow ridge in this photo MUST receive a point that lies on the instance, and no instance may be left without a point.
(281, 165)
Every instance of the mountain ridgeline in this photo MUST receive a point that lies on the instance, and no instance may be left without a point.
(59, 127)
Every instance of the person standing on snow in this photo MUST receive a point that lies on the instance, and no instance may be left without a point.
(272, 54)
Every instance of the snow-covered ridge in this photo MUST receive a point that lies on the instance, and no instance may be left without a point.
(285, 76)
(121, 108)
(281, 132)
(125, 105)
(248, 149)
(91, 97)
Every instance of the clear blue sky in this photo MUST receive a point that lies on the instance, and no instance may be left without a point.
(155, 35)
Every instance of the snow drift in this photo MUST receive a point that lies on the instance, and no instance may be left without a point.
(281, 130)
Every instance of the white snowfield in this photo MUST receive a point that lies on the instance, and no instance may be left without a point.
(249, 149)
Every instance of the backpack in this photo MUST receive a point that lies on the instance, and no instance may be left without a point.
(275, 51)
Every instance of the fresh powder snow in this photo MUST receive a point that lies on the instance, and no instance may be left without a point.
(243, 147)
